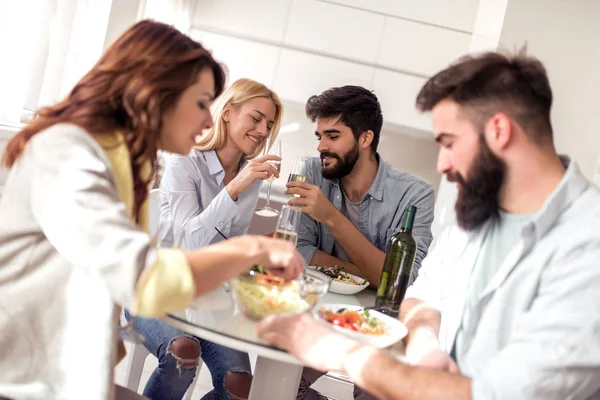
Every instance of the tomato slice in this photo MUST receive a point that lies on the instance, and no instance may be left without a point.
(352, 317)
(339, 320)
(328, 315)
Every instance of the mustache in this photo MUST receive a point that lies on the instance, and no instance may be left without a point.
(455, 177)
(328, 154)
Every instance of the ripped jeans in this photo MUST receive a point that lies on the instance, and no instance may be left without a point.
(170, 380)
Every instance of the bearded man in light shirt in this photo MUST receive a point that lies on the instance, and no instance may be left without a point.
(506, 303)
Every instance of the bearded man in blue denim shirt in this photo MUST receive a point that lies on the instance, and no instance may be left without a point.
(352, 200)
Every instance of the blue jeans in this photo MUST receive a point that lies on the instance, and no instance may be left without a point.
(170, 380)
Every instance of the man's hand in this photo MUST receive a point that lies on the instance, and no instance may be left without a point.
(440, 360)
(311, 341)
(312, 200)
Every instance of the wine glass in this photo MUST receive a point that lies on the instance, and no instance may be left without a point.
(288, 227)
(275, 150)
(298, 171)
(288, 224)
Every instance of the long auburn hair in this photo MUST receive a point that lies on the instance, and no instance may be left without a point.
(137, 79)
(238, 93)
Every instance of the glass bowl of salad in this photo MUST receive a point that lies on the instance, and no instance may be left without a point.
(259, 295)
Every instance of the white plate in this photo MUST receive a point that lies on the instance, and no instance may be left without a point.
(396, 330)
(344, 288)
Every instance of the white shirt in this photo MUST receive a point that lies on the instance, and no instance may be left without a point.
(535, 329)
(68, 253)
(193, 201)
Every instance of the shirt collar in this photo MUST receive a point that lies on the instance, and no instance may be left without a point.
(376, 189)
(571, 186)
(214, 165)
(212, 161)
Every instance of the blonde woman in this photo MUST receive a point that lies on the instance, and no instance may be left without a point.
(74, 246)
(217, 186)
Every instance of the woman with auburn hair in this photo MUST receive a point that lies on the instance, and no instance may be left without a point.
(74, 246)
(217, 186)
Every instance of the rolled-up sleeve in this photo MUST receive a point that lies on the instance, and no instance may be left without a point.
(192, 224)
(554, 350)
(425, 203)
(76, 203)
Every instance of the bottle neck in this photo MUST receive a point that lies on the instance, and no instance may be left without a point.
(405, 230)
(408, 219)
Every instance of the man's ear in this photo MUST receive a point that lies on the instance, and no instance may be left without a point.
(498, 132)
(366, 138)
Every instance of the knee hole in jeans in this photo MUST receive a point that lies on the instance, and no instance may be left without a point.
(187, 350)
(238, 384)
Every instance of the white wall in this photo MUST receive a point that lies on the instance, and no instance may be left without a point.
(123, 14)
(565, 36)
(487, 29)
(302, 47)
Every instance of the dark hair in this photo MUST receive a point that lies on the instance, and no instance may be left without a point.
(485, 84)
(137, 79)
(357, 107)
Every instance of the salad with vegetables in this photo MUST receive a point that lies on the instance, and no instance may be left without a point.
(337, 274)
(357, 321)
(262, 295)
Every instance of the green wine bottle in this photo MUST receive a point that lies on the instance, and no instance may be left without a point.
(397, 267)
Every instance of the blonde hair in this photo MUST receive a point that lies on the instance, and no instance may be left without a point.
(238, 93)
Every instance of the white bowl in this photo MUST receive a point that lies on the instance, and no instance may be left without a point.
(396, 330)
(344, 288)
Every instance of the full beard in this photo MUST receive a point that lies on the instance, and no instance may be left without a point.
(479, 195)
(343, 166)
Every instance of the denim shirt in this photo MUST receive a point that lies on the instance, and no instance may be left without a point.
(380, 210)
(534, 331)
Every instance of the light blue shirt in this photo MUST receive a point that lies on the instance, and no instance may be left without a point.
(193, 201)
(380, 210)
(534, 330)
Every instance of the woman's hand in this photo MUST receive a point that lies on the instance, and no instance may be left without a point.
(257, 169)
(278, 256)
(217, 263)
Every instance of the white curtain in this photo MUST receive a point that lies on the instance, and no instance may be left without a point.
(46, 47)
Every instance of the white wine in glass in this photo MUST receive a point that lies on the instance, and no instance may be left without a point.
(296, 178)
(298, 171)
(277, 165)
(288, 224)
(290, 236)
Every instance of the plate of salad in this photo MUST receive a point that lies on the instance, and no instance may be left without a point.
(341, 281)
(366, 326)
